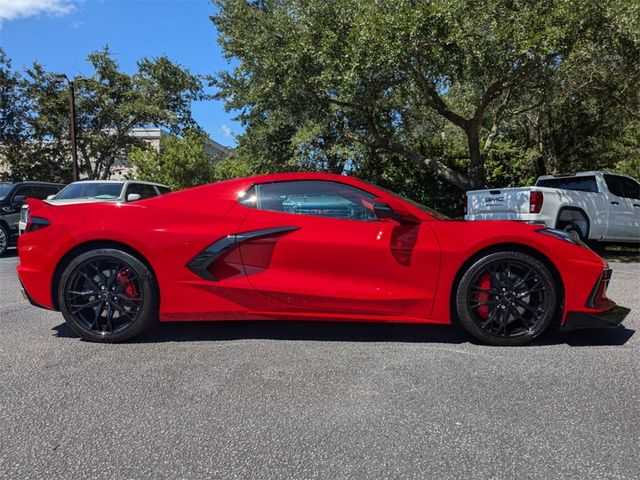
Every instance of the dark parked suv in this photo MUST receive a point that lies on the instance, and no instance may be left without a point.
(12, 197)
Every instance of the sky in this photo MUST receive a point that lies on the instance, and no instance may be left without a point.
(61, 33)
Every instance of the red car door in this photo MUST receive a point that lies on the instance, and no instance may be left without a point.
(316, 246)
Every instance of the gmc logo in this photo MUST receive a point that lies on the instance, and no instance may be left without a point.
(493, 199)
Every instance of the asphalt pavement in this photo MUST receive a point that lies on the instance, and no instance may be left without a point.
(316, 400)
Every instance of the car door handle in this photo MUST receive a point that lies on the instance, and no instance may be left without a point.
(615, 203)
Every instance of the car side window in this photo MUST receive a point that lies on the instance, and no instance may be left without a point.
(614, 184)
(26, 190)
(43, 191)
(163, 190)
(312, 197)
(142, 189)
(631, 188)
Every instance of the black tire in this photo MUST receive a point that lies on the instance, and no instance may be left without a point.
(4, 239)
(108, 295)
(506, 298)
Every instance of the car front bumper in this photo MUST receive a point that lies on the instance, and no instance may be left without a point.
(585, 320)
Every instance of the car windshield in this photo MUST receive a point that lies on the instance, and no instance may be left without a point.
(434, 213)
(92, 190)
(5, 188)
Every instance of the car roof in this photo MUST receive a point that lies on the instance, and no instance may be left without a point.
(122, 182)
(33, 182)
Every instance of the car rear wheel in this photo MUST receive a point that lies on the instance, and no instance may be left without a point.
(4, 239)
(506, 298)
(108, 295)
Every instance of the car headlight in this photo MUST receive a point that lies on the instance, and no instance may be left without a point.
(561, 234)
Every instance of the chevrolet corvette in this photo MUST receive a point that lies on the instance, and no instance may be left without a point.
(305, 246)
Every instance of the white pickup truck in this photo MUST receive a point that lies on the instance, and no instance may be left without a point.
(597, 206)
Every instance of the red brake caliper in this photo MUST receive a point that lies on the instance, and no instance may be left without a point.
(485, 284)
(130, 289)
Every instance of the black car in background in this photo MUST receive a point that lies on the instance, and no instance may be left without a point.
(12, 197)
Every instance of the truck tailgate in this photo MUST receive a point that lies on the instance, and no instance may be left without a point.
(506, 201)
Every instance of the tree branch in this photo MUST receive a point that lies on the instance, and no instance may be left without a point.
(435, 101)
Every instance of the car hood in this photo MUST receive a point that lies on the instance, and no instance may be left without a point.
(72, 201)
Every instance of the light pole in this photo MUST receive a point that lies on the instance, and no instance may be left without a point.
(72, 120)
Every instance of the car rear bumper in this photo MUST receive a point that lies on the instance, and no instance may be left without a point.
(535, 218)
(584, 320)
(27, 297)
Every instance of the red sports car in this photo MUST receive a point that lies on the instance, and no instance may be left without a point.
(304, 246)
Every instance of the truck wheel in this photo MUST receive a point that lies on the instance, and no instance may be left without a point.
(574, 222)
(575, 231)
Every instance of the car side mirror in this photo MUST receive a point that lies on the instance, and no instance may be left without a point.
(382, 211)
(396, 212)
(51, 197)
(132, 197)
(18, 201)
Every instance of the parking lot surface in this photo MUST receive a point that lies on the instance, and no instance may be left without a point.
(316, 400)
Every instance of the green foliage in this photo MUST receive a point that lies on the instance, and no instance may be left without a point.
(109, 104)
(19, 156)
(472, 92)
(179, 163)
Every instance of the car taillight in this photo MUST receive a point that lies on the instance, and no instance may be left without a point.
(535, 202)
(464, 203)
(36, 223)
(24, 213)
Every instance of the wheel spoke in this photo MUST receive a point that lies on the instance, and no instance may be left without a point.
(95, 325)
(523, 280)
(94, 285)
(79, 308)
(86, 293)
(121, 310)
(109, 317)
(118, 268)
(526, 305)
(100, 274)
(525, 323)
(128, 299)
(482, 304)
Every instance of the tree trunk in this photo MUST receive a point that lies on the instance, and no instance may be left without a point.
(477, 160)
(541, 168)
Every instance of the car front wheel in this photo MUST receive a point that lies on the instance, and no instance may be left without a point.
(506, 298)
(108, 295)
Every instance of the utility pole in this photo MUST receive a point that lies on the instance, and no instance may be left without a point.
(72, 122)
(72, 129)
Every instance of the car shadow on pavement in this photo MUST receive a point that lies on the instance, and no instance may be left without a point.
(588, 338)
(328, 331)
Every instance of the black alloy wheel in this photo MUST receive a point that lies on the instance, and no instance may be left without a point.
(506, 298)
(108, 295)
(4, 239)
